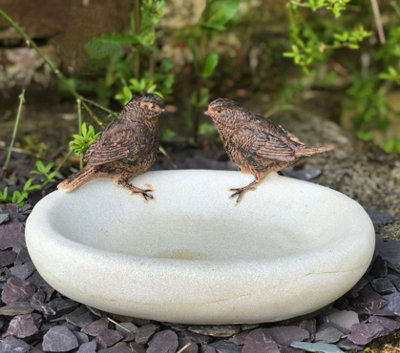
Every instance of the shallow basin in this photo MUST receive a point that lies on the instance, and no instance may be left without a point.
(192, 255)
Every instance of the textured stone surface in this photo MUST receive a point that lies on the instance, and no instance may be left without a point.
(12, 235)
(80, 317)
(163, 342)
(260, 266)
(89, 347)
(362, 334)
(344, 319)
(108, 338)
(328, 334)
(393, 303)
(13, 345)
(215, 331)
(17, 308)
(317, 347)
(7, 257)
(22, 326)
(258, 342)
(22, 271)
(285, 335)
(223, 346)
(16, 290)
(96, 327)
(59, 339)
(144, 333)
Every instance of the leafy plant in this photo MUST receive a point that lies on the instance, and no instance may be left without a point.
(82, 141)
(123, 55)
(19, 197)
(309, 44)
(213, 21)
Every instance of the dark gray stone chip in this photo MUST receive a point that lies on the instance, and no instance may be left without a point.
(13, 345)
(59, 339)
(165, 341)
(108, 338)
(257, 341)
(7, 257)
(88, 347)
(362, 334)
(144, 333)
(17, 308)
(223, 346)
(16, 290)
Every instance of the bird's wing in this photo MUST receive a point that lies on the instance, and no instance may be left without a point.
(263, 144)
(272, 147)
(280, 130)
(90, 150)
(115, 143)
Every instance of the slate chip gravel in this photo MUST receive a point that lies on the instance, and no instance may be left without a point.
(35, 318)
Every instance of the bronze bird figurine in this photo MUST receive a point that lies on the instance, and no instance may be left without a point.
(256, 144)
(126, 148)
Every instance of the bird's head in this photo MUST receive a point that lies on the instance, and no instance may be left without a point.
(223, 110)
(151, 105)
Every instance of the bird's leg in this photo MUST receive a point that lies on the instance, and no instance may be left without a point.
(239, 192)
(123, 181)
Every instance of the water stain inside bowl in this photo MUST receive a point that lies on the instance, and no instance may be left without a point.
(181, 254)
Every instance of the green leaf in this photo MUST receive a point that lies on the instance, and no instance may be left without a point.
(147, 38)
(28, 184)
(40, 167)
(168, 134)
(219, 13)
(66, 86)
(4, 194)
(210, 64)
(51, 176)
(353, 46)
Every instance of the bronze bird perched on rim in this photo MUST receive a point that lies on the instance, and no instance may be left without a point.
(126, 148)
(256, 144)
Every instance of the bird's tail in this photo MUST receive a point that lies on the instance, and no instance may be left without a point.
(310, 151)
(78, 179)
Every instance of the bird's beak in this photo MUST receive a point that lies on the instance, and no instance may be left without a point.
(206, 113)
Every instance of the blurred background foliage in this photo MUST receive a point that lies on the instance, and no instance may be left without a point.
(336, 58)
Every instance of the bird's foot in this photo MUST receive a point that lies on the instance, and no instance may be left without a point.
(239, 192)
(145, 193)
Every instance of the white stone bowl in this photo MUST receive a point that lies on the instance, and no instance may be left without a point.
(192, 255)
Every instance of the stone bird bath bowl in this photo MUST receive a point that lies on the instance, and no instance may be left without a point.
(192, 255)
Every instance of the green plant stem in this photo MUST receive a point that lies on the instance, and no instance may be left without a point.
(59, 75)
(14, 134)
(136, 6)
(32, 44)
(78, 102)
(92, 115)
(69, 154)
(200, 82)
(97, 105)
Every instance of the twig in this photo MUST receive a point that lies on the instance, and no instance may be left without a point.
(58, 73)
(32, 44)
(78, 102)
(92, 115)
(119, 325)
(136, 5)
(378, 21)
(166, 155)
(97, 105)
(187, 345)
(14, 134)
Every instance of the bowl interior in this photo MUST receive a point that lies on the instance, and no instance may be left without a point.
(270, 222)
